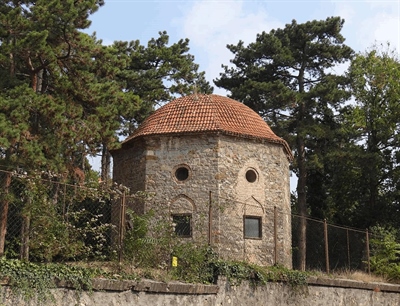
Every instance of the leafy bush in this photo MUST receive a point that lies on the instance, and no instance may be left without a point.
(385, 252)
(55, 221)
(237, 271)
(31, 280)
(151, 243)
(144, 250)
(194, 263)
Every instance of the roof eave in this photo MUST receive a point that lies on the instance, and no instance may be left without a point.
(281, 141)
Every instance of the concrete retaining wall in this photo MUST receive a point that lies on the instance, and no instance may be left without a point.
(319, 292)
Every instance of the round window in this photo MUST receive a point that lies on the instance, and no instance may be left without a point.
(251, 176)
(182, 173)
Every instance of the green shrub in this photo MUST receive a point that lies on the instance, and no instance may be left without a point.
(385, 252)
(151, 243)
(55, 221)
(194, 263)
(237, 271)
(34, 281)
(146, 250)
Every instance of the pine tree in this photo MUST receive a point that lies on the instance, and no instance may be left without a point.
(46, 122)
(155, 73)
(287, 76)
(64, 96)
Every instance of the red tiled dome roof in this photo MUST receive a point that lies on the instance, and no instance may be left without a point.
(199, 113)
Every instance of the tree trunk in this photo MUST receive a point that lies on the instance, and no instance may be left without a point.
(105, 164)
(12, 66)
(302, 179)
(373, 175)
(39, 82)
(302, 204)
(4, 210)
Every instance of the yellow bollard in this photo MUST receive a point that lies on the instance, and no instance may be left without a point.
(174, 261)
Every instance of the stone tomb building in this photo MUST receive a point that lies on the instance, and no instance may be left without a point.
(217, 169)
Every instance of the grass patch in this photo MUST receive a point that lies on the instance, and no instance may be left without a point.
(360, 276)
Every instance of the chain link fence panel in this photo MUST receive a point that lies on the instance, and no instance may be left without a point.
(48, 220)
(330, 247)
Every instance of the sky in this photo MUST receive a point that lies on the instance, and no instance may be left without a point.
(212, 24)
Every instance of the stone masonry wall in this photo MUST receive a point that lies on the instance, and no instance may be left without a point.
(129, 165)
(129, 170)
(217, 166)
(239, 197)
(196, 153)
(319, 292)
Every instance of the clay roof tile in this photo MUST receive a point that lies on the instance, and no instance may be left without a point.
(199, 113)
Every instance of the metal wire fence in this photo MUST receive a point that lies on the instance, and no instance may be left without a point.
(44, 218)
(331, 247)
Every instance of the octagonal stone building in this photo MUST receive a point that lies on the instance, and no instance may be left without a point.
(217, 169)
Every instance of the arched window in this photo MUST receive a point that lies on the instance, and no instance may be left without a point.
(182, 224)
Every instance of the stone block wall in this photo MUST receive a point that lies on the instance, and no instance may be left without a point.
(216, 167)
(149, 164)
(318, 292)
(129, 165)
(239, 197)
(128, 170)
(198, 155)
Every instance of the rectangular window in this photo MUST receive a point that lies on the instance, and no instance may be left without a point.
(183, 225)
(252, 227)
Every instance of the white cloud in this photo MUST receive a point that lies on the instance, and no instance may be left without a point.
(345, 11)
(211, 25)
(382, 4)
(372, 22)
(381, 28)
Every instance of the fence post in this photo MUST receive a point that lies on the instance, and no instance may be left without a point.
(121, 231)
(25, 228)
(368, 255)
(210, 218)
(348, 248)
(326, 246)
(64, 208)
(275, 236)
